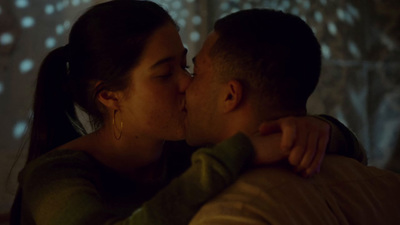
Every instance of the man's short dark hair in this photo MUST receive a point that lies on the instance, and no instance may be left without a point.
(274, 54)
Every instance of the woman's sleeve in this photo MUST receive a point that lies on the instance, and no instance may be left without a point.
(343, 141)
(212, 170)
(69, 197)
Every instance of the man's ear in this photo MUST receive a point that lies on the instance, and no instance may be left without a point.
(232, 95)
(110, 99)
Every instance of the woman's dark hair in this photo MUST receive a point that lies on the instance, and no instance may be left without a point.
(104, 44)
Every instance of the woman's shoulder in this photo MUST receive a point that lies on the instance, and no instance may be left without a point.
(60, 163)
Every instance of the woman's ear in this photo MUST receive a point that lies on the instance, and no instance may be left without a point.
(110, 99)
(232, 95)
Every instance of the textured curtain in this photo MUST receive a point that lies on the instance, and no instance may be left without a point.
(360, 80)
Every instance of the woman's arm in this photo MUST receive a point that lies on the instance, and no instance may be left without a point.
(64, 192)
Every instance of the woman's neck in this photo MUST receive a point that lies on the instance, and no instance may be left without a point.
(134, 157)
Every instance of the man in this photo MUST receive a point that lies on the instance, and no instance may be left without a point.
(260, 65)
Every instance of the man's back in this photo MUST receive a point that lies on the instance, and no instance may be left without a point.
(345, 192)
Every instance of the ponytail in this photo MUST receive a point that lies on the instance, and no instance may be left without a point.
(53, 107)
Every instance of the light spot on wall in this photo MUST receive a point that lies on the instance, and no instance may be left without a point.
(196, 20)
(67, 24)
(26, 65)
(295, 11)
(176, 5)
(224, 6)
(353, 10)
(1, 88)
(21, 3)
(174, 15)
(332, 28)
(189, 1)
(50, 42)
(19, 129)
(326, 51)
(306, 5)
(233, 10)
(59, 29)
(49, 9)
(247, 5)
(60, 6)
(75, 2)
(6, 38)
(181, 23)
(27, 22)
(184, 13)
(318, 16)
(195, 36)
(284, 5)
(340, 14)
(354, 50)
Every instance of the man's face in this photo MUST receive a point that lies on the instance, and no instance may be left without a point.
(201, 99)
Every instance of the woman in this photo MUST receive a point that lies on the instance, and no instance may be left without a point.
(125, 65)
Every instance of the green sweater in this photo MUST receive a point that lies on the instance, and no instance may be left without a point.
(71, 187)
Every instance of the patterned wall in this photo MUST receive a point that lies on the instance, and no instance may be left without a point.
(360, 81)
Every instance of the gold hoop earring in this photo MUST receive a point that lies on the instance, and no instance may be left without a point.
(116, 128)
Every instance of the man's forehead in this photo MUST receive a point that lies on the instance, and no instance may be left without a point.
(204, 53)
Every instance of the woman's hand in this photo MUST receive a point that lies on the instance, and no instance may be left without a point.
(303, 140)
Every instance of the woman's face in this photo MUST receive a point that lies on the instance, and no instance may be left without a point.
(153, 105)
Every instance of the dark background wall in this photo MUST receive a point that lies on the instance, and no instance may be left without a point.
(360, 81)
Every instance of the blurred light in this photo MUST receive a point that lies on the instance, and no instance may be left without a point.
(196, 20)
(354, 49)
(27, 22)
(353, 11)
(306, 5)
(1, 88)
(6, 38)
(326, 51)
(247, 5)
(49, 9)
(60, 6)
(285, 5)
(295, 11)
(75, 2)
(190, 1)
(318, 16)
(224, 6)
(173, 14)
(323, 2)
(181, 23)
(185, 13)
(332, 28)
(59, 29)
(50, 42)
(21, 3)
(1, 10)
(19, 129)
(26, 65)
(233, 10)
(194, 36)
(341, 14)
(67, 24)
(176, 5)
